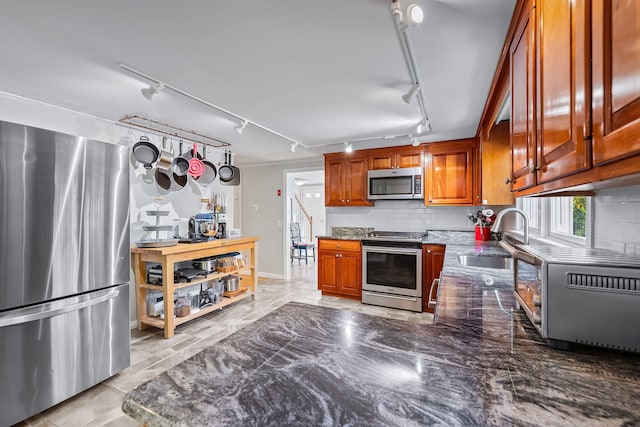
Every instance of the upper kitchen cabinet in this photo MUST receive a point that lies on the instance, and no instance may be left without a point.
(397, 157)
(563, 88)
(616, 79)
(550, 92)
(522, 58)
(449, 172)
(495, 155)
(345, 178)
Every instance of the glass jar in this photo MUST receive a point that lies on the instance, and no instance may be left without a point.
(194, 299)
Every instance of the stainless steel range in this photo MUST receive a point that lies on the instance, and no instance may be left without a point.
(392, 269)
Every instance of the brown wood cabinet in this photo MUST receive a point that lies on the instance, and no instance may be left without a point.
(345, 180)
(340, 268)
(432, 262)
(449, 172)
(397, 157)
(522, 60)
(616, 80)
(578, 99)
(563, 129)
(495, 155)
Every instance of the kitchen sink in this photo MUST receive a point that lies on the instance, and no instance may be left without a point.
(486, 261)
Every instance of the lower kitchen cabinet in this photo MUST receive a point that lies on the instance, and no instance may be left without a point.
(432, 262)
(340, 268)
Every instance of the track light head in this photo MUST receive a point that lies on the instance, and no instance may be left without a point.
(348, 148)
(415, 15)
(153, 88)
(292, 149)
(407, 97)
(414, 141)
(240, 128)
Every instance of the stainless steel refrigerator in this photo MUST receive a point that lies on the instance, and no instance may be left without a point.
(64, 267)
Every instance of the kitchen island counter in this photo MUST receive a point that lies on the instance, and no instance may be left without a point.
(481, 363)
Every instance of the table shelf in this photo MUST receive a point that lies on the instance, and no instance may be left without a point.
(168, 257)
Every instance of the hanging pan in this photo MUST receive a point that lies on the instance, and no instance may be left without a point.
(145, 152)
(210, 170)
(165, 178)
(229, 175)
(180, 165)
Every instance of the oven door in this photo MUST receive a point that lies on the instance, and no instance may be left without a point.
(392, 270)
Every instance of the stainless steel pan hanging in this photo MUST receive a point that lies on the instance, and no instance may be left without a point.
(229, 175)
(145, 152)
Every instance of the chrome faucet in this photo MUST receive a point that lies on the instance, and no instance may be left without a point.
(498, 222)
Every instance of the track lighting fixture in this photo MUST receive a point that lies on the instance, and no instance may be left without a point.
(348, 148)
(415, 15)
(414, 141)
(292, 149)
(240, 128)
(153, 88)
(407, 97)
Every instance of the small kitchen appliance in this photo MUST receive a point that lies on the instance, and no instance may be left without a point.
(221, 219)
(394, 184)
(579, 295)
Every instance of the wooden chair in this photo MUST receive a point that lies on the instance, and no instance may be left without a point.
(297, 245)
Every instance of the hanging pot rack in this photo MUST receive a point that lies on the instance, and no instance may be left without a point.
(171, 130)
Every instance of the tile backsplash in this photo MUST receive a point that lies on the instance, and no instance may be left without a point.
(617, 220)
(405, 215)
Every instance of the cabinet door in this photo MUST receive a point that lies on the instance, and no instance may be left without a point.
(328, 270)
(449, 174)
(433, 260)
(409, 158)
(334, 182)
(522, 105)
(381, 159)
(563, 125)
(350, 273)
(496, 155)
(616, 79)
(355, 181)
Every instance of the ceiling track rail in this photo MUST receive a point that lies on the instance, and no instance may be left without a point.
(161, 128)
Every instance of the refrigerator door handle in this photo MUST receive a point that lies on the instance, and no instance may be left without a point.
(55, 308)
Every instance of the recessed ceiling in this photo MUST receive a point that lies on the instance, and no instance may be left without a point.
(320, 72)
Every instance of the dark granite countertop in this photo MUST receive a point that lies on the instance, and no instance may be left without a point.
(481, 363)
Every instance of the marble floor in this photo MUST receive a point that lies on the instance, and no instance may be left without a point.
(151, 354)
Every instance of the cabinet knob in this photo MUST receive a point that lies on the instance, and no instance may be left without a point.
(428, 251)
(342, 200)
(507, 181)
(348, 201)
(336, 255)
(338, 245)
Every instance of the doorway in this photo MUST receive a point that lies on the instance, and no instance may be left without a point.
(305, 211)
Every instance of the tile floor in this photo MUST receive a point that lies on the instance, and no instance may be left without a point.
(151, 354)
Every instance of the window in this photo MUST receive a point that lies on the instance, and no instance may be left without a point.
(562, 219)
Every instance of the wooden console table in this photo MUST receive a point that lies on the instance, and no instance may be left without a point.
(184, 252)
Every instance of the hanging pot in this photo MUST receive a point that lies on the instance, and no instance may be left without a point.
(210, 171)
(180, 165)
(169, 181)
(166, 157)
(145, 152)
(229, 175)
(196, 167)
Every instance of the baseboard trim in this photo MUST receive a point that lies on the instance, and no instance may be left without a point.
(271, 275)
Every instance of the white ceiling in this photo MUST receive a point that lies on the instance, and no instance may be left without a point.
(321, 72)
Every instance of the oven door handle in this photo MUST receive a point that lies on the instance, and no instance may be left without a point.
(391, 250)
(391, 296)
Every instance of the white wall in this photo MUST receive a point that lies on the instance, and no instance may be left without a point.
(617, 220)
(405, 215)
(263, 211)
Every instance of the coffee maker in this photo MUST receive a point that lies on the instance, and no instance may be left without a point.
(221, 220)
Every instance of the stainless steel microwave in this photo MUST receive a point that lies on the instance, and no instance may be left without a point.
(395, 184)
